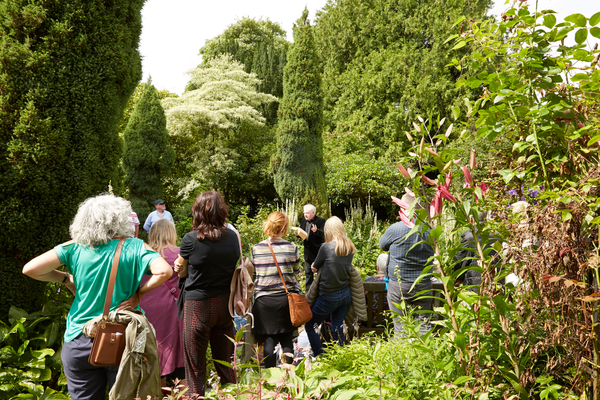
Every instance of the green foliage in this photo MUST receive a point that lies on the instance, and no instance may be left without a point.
(260, 45)
(218, 134)
(384, 64)
(250, 227)
(299, 165)
(66, 72)
(162, 94)
(540, 100)
(30, 364)
(268, 65)
(148, 156)
(355, 174)
(242, 39)
(364, 229)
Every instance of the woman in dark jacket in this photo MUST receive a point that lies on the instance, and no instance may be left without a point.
(333, 263)
(208, 259)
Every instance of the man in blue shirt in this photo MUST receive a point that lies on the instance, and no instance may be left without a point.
(406, 262)
(154, 216)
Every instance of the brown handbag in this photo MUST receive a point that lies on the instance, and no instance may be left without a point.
(109, 339)
(300, 312)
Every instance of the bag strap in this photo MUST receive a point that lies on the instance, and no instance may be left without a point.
(240, 243)
(173, 290)
(277, 264)
(113, 278)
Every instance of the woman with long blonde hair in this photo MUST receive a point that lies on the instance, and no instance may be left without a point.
(161, 308)
(333, 263)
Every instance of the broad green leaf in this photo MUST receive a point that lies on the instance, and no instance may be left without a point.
(579, 77)
(449, 39)
(15, 314)
(593, 140)
(462, 379)
(498, 98)
(581, 35)
(455, 112)
(460, 44)
(595, 19)
(24, 396)
(595, 32)
(225, 363)
(435, 232)
(507, 175)
(577, 19)
(549, 20)
(460, 340)
(345, 394)
(45, 374)
(42, 353)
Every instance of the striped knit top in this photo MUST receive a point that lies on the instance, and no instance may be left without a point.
(266, 277)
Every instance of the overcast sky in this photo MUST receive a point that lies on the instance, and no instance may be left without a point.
(174, 30)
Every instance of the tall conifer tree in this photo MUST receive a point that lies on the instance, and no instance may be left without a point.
(67, 69)
(300, 171)
(148, 157)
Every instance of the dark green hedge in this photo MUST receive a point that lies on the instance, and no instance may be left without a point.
(67, 69)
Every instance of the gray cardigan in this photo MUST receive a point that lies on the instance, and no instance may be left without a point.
(358, 308)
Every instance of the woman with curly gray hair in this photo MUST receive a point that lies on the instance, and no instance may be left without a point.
(99, 224)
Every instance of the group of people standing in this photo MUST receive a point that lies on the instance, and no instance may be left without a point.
(204, 264)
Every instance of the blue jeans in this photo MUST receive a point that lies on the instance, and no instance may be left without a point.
(334, 304)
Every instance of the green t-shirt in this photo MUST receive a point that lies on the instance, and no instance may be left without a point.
(91, 271)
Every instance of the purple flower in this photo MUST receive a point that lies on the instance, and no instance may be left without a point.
(512, 192)
(260, 204)
(275, 199)
(533, 193)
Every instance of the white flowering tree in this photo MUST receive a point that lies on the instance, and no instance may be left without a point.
(217, 130)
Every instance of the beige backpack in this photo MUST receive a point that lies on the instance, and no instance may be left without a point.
(240, 297)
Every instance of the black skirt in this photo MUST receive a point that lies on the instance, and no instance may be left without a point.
(272, 315)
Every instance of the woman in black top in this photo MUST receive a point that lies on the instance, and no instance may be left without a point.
(208, 258)
(333, 263)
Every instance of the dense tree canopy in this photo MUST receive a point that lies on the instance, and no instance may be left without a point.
(242, 39)
(299, 166)
(385, 62)
(148, 156)
(260, 45)
(213, 125)
(66, 72)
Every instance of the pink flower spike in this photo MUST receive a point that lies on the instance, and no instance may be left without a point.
(445, 193)
(448, 180)
(472, 160)
(468, 177)
(400, 203)
(436, 204)
(428, 180)
(403, 171)
(406, 221)
(456, 162)
(432, 208)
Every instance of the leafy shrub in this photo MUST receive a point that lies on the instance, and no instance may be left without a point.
(30, 364)
(364, 229)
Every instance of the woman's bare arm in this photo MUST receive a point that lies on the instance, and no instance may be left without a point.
(181, 267)
(43, 268)
(161, 272)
